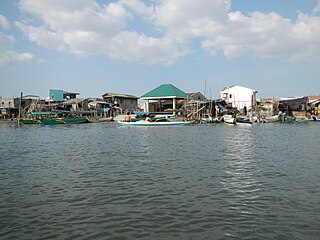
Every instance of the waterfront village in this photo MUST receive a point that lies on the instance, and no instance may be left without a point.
(237, 104)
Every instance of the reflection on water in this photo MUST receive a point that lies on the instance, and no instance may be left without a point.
(101, 181)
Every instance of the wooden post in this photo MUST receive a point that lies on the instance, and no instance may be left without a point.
(20, 106)
(147, 106)
(159, 104)
(251, 108)
(174, 106)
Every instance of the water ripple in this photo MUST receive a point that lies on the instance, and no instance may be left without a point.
(101, 181)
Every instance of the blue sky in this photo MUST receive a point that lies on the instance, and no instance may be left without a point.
(132, 46)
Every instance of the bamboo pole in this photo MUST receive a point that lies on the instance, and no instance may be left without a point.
(20, 106)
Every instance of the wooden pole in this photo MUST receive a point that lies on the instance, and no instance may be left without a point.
(20, 106)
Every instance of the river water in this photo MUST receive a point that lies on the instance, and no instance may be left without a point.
(102, 181)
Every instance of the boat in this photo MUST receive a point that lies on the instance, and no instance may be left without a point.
(271, 119)
(243, 120)
(162, 122)
(29, 121)
(98, 119)
(304, 120)
(65, 120)
(315, 119)
(289, 119)
(229, 119)
(209, 120)
(35, 117)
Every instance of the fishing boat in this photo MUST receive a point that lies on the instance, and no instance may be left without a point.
(65, 120)
(209, 120)
(35, 117)
(271, 119)
(229, 119)
(303, 120)
(289, 119)
(316, 119)
(99, 119)
(243, 120)
(162, 122)
(29, 121)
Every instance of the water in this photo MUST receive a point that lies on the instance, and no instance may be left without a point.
(101, 181)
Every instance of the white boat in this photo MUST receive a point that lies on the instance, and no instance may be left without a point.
(229, 119)
(143, 123)
(271, 119)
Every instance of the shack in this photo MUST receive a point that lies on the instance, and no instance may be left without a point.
(165, 97)
(295, 107)
(126, 102)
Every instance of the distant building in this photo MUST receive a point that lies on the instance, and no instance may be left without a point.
(238, 96)
(9, 102)
(126, 102)
(9, 107)
(60, 95)
(296, 107)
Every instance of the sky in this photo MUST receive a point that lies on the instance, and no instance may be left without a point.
(133, 46)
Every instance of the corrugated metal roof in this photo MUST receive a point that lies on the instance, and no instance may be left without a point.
(165, 91)
(118, 95)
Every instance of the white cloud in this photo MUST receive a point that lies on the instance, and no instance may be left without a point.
(7, 52)
(4, 22)
(9, 55)
(137, 47)
(187, 19)
(88, 28)
(317, 8)
(85, 27)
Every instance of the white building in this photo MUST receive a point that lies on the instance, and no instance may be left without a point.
(238, 96)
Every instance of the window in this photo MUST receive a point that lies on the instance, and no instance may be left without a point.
(225, 95)
(230, 96)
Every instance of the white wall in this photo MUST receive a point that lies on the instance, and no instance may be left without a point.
(238, 96)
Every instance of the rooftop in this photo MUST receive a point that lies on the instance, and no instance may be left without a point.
(164, 91)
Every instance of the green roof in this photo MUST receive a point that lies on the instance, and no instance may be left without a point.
(165, 91)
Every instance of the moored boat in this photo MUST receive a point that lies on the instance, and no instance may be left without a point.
(229, 119)
(98, 119)
(66, 120)
(303, 120)
(29, 121)
(243, 120)
(316, 119)
(271, 119)
(143, 123)
(209, 120)
(35, 117)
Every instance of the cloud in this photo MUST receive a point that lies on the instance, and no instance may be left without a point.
(7, 52)
(85, 27)
(317, 8)
(145, 49)
(4, 23)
